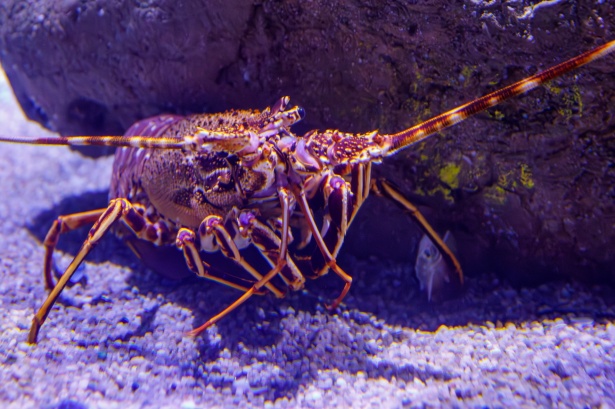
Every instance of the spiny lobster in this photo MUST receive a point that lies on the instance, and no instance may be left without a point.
(223, 182)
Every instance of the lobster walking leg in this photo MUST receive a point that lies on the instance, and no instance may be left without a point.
(249, 293)
(186, 241)
(381, 187)
(118, 208)
(249, 226)
(213, 227)
(330, 261)
(343, 200)
(61, 225)
(269, 245)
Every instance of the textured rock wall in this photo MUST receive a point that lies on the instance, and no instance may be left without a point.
(526, 188)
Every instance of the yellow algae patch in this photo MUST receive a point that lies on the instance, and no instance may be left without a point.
(495, 194)
(507, 180)
(497, 114)
(570, 102)
(510, 181)
(449, 174)
(467, 72)
(553, 88)
(446, 193)
(525, 176)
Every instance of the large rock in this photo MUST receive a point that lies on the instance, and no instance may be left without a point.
(527, 188)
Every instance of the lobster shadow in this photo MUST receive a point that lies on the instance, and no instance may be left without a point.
(295, 338)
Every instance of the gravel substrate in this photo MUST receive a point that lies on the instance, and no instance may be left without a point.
(116, 339)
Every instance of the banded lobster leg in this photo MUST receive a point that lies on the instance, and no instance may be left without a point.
(382, 187)
(64, 224)
(337, 187)
(344, 199)
(213, 226)
(265, 239)
(118, 209)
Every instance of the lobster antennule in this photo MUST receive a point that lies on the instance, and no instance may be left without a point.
(421, 131)
(116, 141)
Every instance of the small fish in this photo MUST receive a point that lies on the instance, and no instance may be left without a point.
(431, 269)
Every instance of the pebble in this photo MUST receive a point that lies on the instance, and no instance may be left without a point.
(188, 404)
(314, 396)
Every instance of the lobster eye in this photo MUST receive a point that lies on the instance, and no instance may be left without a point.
(301, 112)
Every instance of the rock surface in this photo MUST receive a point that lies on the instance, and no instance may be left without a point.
(527, 188)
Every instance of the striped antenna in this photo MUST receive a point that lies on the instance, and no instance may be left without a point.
(421, 131)
(117, 141)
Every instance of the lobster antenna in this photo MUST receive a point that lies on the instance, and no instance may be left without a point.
(117, 141)
(421, 131)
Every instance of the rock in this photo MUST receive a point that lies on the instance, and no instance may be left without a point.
(526, 188)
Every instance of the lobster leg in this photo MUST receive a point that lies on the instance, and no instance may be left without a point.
(269, 245)
(330, 261)
(61, 225)
(266, 240)
(273, 247)
(381, 187)
(213, 227)
(186, 241)
(343, 201)
(118, 208)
